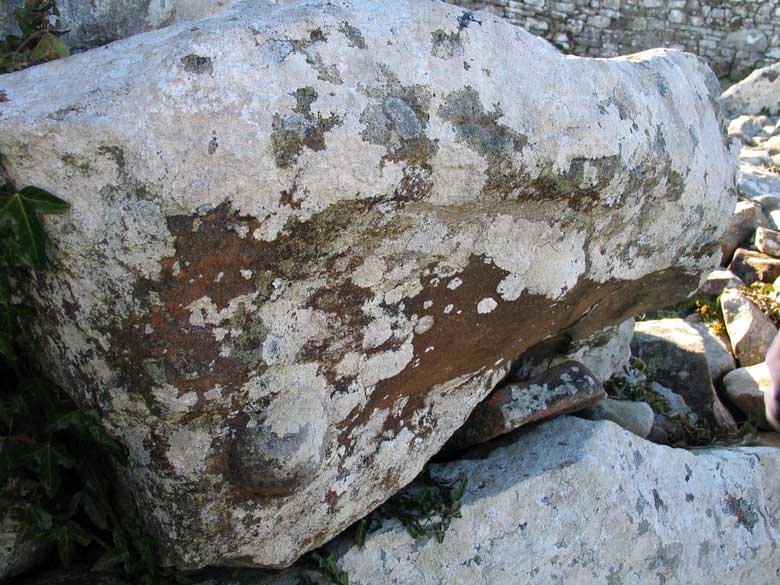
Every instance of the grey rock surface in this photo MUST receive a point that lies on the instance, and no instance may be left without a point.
(575, 501)
(8, 24)
(360, 211)
(567, 387)
(18, 551)
(746, 388)
(717, 280)
(768, 242)
(635, 417)
(92, 23)
(758, 93)
(604, 353)
(749, 330)
(747, 216)
(754, 180)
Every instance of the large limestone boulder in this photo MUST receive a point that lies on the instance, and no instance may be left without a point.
(307, 238)
(574, 501)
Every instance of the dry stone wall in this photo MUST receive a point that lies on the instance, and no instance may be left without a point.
(734, 36)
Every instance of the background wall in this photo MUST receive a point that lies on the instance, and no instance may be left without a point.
(734, 36)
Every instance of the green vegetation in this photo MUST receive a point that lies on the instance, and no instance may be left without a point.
(637, 386)
(39, 41)
(425, 508)
(23, 246)
(428, 506)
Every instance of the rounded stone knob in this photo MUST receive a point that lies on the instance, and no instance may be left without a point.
(282, 448)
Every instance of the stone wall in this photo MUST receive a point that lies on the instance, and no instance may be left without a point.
(735, 36)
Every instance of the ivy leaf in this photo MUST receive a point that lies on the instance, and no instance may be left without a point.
(49, 48)
(50, 459)
(69, 420)
(68, 537)
(42, 201)
(19, 212)
(35, 515)
(111, 558)
(95, 509)
(48, 471)
(25, 19)
(29, 241)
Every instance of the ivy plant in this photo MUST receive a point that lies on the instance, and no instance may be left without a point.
(39, 41)
(23, 246)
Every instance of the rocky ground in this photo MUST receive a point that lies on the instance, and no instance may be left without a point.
(667, 469)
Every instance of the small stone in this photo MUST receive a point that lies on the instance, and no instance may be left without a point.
(743, 222)
(749, 329)
(746, 388)
(753, 180)
(768, 202)
(635, 417)
(754, 266)
(718, 280)
(565, 388)
(768, 242)
(746, 128)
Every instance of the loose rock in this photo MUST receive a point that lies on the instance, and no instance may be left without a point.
(742, 224)
(749, 330)
(746, 388)
(565, 388)
(717, 348)
(635, 417)
(768, 242)
(717, 281)
(754, 266)
(603, 353)
(758, 93)
(18, 551)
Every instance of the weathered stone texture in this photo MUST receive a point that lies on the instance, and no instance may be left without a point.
(574, 501)
(565, 388)
(734, 37)
(316, 234)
